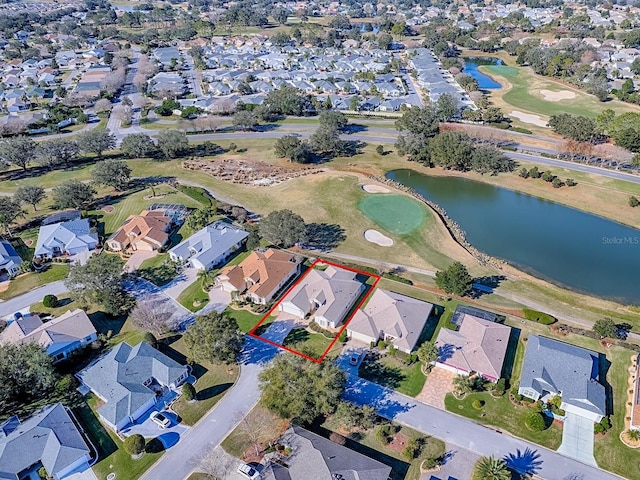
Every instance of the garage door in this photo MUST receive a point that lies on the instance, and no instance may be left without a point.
(577, 439)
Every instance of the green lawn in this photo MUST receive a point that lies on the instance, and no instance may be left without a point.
(111, 454)
(524, 82)
(309, 343)
(193, 298)
(28, 281)
(246, 320)
(395, 213)
(64, 303)
(501, 413)
(159, 270)
(213, 382)
(393, 373)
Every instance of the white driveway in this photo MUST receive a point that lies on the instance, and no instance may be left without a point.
(148, 429)
(577, 439)
(83, 473)
(182, 281)
(136, 259)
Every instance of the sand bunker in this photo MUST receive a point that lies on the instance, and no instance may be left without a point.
(557, 96)
(376, 237)
(375, 189)
(529, 118)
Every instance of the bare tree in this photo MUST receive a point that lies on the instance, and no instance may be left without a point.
(215, 462)
(103, 105)
(253, 429)
(152, 314)
(113, 82)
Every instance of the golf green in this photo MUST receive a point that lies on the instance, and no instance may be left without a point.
(395, 213)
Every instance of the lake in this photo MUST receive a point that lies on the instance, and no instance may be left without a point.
(471, 65)
(562, 245)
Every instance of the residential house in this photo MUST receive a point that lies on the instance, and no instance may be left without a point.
(478, 346)
(132, 380)
(209, 247)
(59, 337)
(66, 238)
(553, 368)
(391, 317)
(166, 55)
(50, 438)
(260, 276)
(147, 231)
(327, 295)
(9, 259)
(315, 457)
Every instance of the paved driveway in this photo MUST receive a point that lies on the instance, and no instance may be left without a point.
(577, 439)
(182, 281)
(135, 260)
(439, 382)
(458, 465)
(145, 427)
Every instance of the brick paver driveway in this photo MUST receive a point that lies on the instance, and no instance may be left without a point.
(439, 383)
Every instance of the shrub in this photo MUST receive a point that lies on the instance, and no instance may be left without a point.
(343, 337)
(524, 173)
(548, 177)
(392, 350)
(535, 421)
(412, 450)
(233, 147)
(429, 463)
(42, 473)
(557, 183)
(337, 438)
(380, 149)
(522, 130)
(534, 172)
(571, 182)
(633, 201)
(598, 428)
(50, 301)
(382, 344)
(540, 317)
(65, 385)
(188, 392)
(150, 339)
(501, 385)
(382, 434)
(134, 445)
(477, 404)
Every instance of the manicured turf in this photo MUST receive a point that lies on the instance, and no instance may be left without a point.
(395, 213)
(303, 341)
(193, 293)
(246, 320)
(29, 281)
(524, 82)
(393, 373)
(158, 270)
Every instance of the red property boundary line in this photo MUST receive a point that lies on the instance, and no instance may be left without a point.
(344, 326)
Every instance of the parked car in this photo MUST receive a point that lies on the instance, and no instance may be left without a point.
(160, 419)
(248, 471)
(355, 358)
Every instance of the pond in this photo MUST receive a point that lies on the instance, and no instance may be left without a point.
(562, 245)
(471, 65)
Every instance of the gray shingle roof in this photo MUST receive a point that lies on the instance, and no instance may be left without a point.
(209, 243)
(553, 366)
(49, 436)
(315, 457)
(72, 234)
(9, 258)
(119, 378)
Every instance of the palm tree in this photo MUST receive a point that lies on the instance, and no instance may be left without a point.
(462, 385)
(633, 435)
(491, 468)
(205, 278)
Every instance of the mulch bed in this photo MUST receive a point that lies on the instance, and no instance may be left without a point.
(108, 209)
(398, 443)
(28, 243)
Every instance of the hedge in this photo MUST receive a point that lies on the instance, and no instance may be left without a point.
(539, 317)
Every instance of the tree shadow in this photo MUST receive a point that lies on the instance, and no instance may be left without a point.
(155, 445)
(375, 371)
(175, 355)
(92, 427)
(431, 325)
(213, 391)
(491, 281)
(297, 336)
(525, 462)
(355, 128)
(604, 365)
(325, 236)
(510, 354)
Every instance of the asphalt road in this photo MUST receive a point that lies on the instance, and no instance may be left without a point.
(20, 302)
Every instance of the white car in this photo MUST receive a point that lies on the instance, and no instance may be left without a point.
(160, 419)
(248, 471)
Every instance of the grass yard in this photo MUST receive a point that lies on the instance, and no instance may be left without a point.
(270, 428)
(111, 454)
(193, 298)
(397, 214)
(393, 373)
(64, 303)
(312, 344)
(213, 382)
(501, 413)
(158, 270)
(246, 320)
(28, 281)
